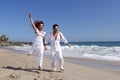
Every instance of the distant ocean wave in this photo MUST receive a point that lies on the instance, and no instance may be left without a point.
(103, 51)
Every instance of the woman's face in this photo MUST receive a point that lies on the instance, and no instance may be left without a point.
(41, 27)
(56, 28)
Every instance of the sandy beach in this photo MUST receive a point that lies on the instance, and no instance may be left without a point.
(15, 66)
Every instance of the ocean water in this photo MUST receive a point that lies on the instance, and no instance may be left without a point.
(109, 50)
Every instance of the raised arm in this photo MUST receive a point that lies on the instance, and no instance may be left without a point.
(32, 23)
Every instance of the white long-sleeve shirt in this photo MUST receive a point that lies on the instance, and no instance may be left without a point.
(38, 41)
(55, 43)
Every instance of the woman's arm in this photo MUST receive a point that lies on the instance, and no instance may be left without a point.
(47, 38)
(32, 23)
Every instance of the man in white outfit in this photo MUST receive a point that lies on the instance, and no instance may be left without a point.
(56, 51)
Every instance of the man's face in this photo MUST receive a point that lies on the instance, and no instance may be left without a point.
(56, 28)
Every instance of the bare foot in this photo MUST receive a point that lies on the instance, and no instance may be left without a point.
(61, 69)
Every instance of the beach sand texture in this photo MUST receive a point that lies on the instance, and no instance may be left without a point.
(15, 66)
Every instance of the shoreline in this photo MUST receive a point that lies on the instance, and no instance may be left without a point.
(95, 63)
(15, 66)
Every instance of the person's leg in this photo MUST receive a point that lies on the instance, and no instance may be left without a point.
(53, 60)
(60, 59)
(32, 49)
(40, 58)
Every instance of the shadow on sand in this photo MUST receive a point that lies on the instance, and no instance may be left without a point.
(34, 70)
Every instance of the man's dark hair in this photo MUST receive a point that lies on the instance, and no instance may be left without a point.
(55, 26)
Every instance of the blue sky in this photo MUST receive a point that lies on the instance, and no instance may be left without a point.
(79, 20)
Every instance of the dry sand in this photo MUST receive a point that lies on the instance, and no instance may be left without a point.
(15, 66)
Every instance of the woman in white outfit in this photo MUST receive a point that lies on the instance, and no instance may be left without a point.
(38, 43)
(56, 52)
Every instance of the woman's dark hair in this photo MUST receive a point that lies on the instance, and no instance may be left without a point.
(37, 23)
(55, 26)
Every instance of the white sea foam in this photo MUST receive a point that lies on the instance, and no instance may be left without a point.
(96, 52)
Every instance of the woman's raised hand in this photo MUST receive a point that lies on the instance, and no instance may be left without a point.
(30, 15)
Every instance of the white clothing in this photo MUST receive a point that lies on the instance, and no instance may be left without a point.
(38, 41)
(56, 51)
(38, 47)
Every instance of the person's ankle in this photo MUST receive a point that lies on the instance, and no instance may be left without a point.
(40, 68)
(62, 69)
(54, 69)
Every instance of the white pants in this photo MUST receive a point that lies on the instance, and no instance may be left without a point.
(40, 57)
(56, 54)
(39, 50)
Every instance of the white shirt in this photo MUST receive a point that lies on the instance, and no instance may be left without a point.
(55, 44)
(38, 41)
